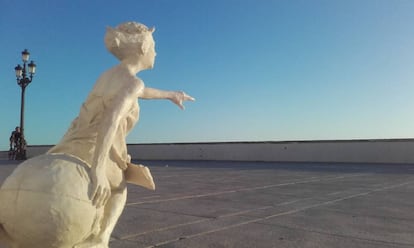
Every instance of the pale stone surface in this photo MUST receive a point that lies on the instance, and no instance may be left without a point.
(74, 195)
(45, 202)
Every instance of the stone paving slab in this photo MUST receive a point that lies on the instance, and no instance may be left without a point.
(329, 221)
(259, 235)
(253, 204)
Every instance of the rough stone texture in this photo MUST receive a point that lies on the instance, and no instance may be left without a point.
(47, 183)
(248, 204)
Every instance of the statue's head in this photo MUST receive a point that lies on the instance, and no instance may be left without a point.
(129, 39)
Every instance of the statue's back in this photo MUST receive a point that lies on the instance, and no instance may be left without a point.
(45, 203)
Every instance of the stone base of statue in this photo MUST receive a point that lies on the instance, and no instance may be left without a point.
(45, 203)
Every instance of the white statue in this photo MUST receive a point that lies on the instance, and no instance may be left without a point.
(73, 195)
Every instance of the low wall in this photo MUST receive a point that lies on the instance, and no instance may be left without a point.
(3, 154)
(361, 151)
(347, 151)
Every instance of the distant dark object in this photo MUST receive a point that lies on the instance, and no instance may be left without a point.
(17, 145)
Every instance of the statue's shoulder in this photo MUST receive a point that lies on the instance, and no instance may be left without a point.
(134, 85)
(111, 84)
(138, 81)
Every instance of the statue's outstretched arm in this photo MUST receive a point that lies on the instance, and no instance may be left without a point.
(177, 97)
(105, 139)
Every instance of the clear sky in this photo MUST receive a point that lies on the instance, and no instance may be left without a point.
(261, 70)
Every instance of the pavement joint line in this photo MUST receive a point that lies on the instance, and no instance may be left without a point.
(179, 175)
(268, 207)
(259, 219)
(289, 212)
(244, 211)
(340, 235)
(290, 202)
(336, 193)
(151, 197)
(126, 237)
(165, 242)
(337, 200)
(239, 190)
(369, 215)
(177, 212)
(193, 222)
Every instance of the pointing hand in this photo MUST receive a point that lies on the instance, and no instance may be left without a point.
(179, 97)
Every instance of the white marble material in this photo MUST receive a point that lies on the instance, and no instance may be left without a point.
(73, 195)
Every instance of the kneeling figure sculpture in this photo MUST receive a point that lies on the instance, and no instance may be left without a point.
(73, 195)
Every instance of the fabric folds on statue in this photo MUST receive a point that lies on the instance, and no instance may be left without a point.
(80, 139)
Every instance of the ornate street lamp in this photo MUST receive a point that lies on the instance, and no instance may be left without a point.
(23, 80)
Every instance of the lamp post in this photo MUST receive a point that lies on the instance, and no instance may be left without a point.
(23, 80)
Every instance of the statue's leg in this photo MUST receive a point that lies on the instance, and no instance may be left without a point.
(112, 212)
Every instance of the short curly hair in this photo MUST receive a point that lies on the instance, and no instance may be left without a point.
(126, 38)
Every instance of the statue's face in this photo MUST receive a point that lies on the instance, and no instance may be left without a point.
(149, 56)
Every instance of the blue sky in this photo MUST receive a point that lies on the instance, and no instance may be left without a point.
(261, 70)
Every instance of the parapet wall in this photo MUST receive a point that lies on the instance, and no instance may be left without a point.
(362, 151)
(347, 151)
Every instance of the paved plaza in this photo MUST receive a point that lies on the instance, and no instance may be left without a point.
(252, 204)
